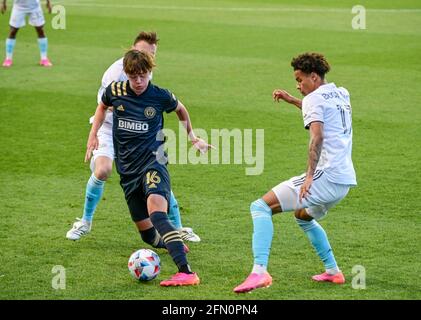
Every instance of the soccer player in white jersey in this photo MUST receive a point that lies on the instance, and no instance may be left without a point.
(326, 111)
(21, 9)
(103, 157)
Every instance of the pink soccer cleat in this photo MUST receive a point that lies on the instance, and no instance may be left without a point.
(326, 277)
(181, 279)
(7, 63)
(45, 63)
(254, 281)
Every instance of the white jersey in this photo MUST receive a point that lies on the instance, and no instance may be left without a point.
(26, 5)
(331, 105)
(114, 73)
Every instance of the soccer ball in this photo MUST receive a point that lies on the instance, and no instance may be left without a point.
(144, 265)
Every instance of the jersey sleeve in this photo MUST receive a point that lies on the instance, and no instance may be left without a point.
(313, 110)
(171, 102)
(344, 93)
(106, 96)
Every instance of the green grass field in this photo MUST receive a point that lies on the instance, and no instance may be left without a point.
(222, 59)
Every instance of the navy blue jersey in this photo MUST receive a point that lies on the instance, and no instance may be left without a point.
(137, 122)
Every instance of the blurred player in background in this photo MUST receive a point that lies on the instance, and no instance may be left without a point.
(103, 157)
(22, 9)
(326, 111)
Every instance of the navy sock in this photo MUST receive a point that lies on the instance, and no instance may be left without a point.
(172, 239)
(152, 237)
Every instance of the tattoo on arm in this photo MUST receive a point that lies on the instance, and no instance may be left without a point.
(315, 149)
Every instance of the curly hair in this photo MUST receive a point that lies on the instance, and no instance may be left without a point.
(311, 62)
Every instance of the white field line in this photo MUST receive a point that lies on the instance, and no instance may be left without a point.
(234, 9)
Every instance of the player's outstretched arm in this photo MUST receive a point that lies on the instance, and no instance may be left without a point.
(184, 117)
(93, 139)
(279, 94)
(3, 7)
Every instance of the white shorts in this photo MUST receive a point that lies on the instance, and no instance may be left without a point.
(18, 17)
(324, 194)
(105, 144)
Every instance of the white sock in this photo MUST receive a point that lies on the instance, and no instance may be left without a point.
(333, 271)
(87, 222)
(259, 269)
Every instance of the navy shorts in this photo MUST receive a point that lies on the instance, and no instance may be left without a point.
(154, 180)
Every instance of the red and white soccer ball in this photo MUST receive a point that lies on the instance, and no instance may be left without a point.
(144, 265)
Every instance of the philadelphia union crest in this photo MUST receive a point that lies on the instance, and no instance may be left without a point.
(150, 112)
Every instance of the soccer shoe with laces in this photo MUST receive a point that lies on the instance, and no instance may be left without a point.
(181, 279)
(337, 278)
(254, 281)
(45, 63)
(79, 229)
(187, 234)
(7, 63)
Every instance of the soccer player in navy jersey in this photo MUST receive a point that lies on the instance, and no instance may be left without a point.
(138, 107)
(103, 157)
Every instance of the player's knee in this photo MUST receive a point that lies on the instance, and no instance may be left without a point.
(40, 32)
(103, 172)
(302, 214)
(13, 32)
(156, 202)
(259, 207)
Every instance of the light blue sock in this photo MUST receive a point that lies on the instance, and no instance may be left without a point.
(10, 46)
(318, 239)
(174, 212)
(94, 189)
(262, 231)
(43, 47)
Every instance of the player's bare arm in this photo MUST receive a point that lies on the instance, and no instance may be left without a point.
(280, 94)
(315, 148)
(184, 117)
(98, 121)
(3, 6)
